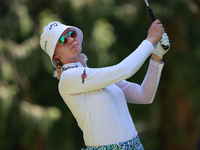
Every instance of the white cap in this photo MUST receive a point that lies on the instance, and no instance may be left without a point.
(50, 36)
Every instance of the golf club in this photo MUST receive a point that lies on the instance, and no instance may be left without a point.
(153, 19)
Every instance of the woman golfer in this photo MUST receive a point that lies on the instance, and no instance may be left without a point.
(98, 97)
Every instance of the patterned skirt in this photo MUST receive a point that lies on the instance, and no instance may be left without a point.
(133, 144)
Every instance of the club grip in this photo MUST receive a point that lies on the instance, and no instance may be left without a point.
(151, 13)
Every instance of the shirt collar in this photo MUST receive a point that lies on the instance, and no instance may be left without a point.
(71, 65)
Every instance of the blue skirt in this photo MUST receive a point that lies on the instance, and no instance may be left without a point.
(133, 144)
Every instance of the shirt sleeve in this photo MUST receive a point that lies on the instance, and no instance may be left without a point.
(77, 80)
(144, 93)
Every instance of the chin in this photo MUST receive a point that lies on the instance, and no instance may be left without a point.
(77, 51)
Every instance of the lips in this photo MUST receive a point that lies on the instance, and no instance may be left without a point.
(73, 46)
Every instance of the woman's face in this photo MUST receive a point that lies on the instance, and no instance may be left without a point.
(71, 48)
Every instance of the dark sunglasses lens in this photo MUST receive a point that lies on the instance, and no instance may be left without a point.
(63, 40)
(73, 33)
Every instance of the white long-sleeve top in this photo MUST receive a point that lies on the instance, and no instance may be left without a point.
(97, 97)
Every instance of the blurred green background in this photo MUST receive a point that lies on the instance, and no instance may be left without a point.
(33, 116)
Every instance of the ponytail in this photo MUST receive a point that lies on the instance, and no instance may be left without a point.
(58, 71)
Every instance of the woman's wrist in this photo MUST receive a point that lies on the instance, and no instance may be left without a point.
(156, 58)
(151, 40)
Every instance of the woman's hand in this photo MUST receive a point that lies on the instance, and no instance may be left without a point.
(159, 50)
(155, 32)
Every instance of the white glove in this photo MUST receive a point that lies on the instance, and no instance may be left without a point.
(159, 47)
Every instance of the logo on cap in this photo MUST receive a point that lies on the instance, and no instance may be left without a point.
(53, 25)
(45, 46)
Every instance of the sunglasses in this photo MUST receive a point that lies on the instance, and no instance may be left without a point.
(63, 39)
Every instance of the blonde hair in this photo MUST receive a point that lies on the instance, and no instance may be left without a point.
(57, 73)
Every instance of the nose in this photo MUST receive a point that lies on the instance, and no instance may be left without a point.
(70, 40)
